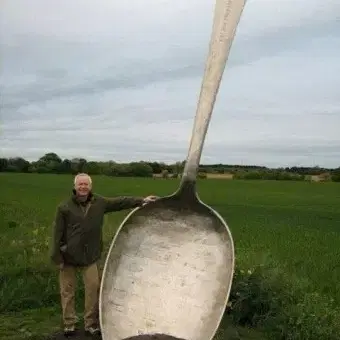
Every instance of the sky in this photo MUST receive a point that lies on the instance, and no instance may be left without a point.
(114, 80)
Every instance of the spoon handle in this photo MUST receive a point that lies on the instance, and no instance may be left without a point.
(227, 15)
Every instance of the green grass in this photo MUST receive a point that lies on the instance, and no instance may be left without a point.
(292, 226)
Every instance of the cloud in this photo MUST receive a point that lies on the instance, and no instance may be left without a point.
(107, 80)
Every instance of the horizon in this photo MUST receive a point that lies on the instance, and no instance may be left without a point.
(172, 163)
(121, 81)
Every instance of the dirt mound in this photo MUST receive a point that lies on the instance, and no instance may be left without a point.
(153, 337)
(81, 335)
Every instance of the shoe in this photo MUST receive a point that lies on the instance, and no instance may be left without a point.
(93, 330)
(69, 330)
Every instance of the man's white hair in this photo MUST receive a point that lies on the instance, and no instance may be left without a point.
(83, 174)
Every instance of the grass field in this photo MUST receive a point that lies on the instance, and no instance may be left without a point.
(291, 228)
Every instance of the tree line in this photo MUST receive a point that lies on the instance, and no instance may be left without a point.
(53, 164)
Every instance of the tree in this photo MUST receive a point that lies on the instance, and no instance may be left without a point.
(92, 168)
(65, 167)
(157, 168)
(78, 165)
(3, 164)
(50, 162)
(50, 157)
(17, 164)
(336, 175)
(141, 169)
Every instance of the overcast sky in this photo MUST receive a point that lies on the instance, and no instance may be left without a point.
(120, 80)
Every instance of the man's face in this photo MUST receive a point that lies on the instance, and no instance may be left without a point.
(82, 186)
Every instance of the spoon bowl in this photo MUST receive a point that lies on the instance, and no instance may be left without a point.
(168, 272)
(170, 266)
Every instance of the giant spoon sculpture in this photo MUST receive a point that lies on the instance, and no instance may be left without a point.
(170, 266)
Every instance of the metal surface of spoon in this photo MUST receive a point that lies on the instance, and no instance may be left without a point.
(170, 266)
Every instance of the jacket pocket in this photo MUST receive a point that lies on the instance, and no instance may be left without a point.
(73, 247)
(73, 231)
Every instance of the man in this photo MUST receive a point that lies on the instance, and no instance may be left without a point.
(77, 244)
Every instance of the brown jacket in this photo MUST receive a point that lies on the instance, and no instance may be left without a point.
(77, 229)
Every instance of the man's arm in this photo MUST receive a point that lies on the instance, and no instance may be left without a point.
(126, 202)
(58, 231)
(122, 203)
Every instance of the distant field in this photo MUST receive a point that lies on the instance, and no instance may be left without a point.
(295, 225)
(220, 176)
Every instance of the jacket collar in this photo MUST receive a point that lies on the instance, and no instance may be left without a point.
(75, 199)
